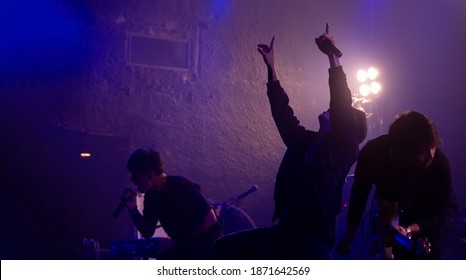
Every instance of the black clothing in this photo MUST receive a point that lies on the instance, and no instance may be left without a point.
(181, 209)
(426, 197)
(309, 182)
(271, 243)
(199, 248)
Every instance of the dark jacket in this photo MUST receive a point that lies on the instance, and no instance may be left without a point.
(309, 182)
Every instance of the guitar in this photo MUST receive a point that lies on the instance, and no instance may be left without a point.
(392, 238)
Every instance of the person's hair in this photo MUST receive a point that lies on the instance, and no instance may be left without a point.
(412, 130)
(143, 160)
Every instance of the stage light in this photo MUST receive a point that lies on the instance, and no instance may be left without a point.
(369, 85)
(362, 76)
(375, 87)
(364, 90)
(369, 90)
(85, 155)
(372, 73)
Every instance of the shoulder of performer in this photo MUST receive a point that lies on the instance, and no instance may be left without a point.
(182, 182)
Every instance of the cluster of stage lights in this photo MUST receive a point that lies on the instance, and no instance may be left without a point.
(369, 85)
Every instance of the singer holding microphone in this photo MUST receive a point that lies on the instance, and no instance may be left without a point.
(174, 201)
(308, 185)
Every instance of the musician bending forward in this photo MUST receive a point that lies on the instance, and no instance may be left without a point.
(412, 174)
(185, 214)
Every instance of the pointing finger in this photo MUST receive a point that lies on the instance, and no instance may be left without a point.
(271, 42)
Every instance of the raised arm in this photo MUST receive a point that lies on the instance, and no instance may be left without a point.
(348, 125)
(268, 55)
(340, 95)
(288, 125)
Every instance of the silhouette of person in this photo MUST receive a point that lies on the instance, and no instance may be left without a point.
(174, 201)
(412, 178)
(309, 181)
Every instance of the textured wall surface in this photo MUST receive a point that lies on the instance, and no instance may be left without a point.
(65, 67)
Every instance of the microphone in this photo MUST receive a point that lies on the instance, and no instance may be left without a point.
(120, 207)
(336, 51)
(248, 192)
(325, 43)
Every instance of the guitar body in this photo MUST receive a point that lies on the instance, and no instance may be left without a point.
(392, 239)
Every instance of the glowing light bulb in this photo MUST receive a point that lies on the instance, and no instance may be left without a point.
(362, 76)
(364, 90)
(375, 87)
(372, 73)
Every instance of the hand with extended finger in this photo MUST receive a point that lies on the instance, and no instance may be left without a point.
(267, 53)
(326, 44)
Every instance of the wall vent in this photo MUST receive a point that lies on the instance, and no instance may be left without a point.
(157, 52)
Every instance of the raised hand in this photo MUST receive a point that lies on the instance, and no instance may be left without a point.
(267, 53)
(326, 43)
